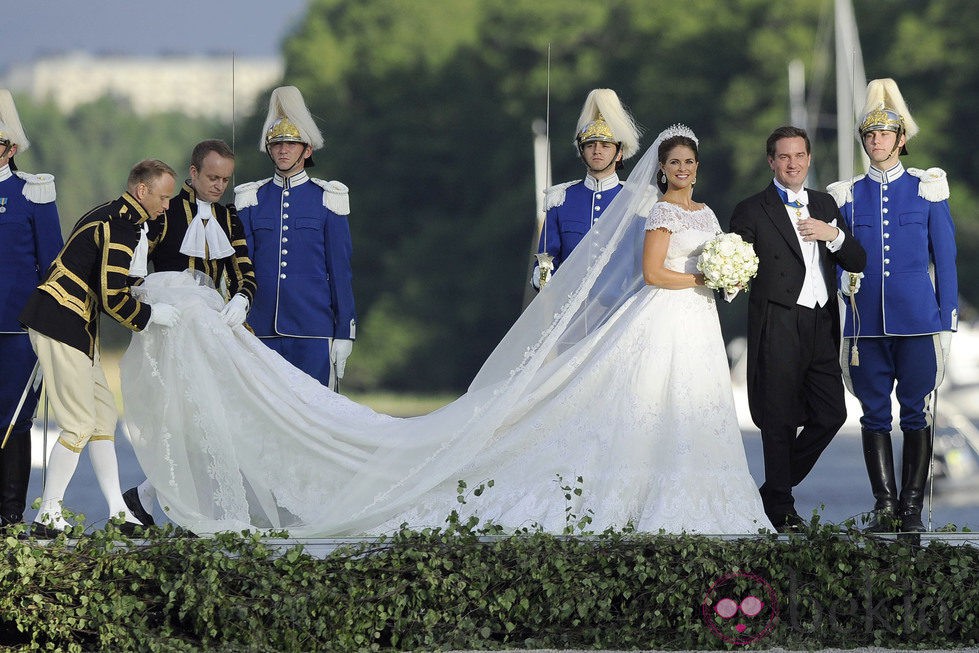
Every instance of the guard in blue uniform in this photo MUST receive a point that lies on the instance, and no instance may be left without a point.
(30, 235)
(299, 239)
(900, 315)
(606, 135)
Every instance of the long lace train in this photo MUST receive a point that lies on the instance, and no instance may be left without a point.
(234, 437)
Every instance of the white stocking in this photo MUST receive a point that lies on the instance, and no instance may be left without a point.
(103, 455)
(61, 467)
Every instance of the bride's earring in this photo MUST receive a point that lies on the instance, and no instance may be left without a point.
(693, 181)
(662, 176)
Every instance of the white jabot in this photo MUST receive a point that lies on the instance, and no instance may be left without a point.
(138, 266)
(5, 173)
(204, 237)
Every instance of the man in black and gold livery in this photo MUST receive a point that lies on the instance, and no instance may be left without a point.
(197, 232)
(93, 274)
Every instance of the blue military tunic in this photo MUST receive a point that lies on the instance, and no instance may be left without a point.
(30, 235)
(908, 294)
(572, 208)
(299, 240)
(902, 219)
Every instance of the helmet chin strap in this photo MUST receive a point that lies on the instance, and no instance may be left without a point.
(283, 170)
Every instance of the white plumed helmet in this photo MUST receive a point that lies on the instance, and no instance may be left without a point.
(603, 118)
(11, 131)
(289, 120)
(885, 110)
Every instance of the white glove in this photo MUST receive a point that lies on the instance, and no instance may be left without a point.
(165, 315)
(339, 352)
(850, 278)
(945, 339)
(235, 310)
(535, 278)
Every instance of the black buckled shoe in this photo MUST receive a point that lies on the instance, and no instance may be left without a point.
(131, 530)
(41, 532)
(131, 497)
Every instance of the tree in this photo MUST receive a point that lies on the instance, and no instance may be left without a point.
(427, 111)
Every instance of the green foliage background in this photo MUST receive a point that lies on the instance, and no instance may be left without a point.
(427, 111)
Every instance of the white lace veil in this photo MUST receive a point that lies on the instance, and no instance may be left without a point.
(602, 272)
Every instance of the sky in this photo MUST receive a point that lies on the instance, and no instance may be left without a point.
(34, 28)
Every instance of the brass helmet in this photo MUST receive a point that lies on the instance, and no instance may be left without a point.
(885, 110)
(283, 130)
(596, 131)
(604, 119)
(881, 119)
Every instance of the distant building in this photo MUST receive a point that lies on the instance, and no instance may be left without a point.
(198, 85)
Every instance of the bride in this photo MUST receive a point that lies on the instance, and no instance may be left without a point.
(610, 398)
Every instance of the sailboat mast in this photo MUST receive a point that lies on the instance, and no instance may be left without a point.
(851, 84)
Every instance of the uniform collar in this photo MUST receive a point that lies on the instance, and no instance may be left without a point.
(188, 190)
(601, 184)
(6, 173)
(133, 211)
(886, 176)
(288, 182)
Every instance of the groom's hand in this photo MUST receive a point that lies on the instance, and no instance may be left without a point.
(812, 229)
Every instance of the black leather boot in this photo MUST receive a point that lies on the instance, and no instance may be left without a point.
(879, 457)
(914, 473)
(15, 475)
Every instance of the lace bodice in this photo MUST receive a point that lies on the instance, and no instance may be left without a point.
(676, 218)
(689, 229)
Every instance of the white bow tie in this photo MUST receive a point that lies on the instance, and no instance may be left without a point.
(802, 197)
(204, 231)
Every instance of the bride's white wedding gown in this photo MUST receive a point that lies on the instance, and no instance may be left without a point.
(640, 409)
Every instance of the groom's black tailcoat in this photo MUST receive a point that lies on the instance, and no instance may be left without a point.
(794, 376)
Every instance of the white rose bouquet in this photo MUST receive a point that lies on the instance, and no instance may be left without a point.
(728, 264)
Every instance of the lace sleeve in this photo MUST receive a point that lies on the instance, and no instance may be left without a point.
(664, 215)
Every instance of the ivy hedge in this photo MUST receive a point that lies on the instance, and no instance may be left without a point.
(467, 586)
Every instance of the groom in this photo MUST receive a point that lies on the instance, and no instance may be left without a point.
(794, 377)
